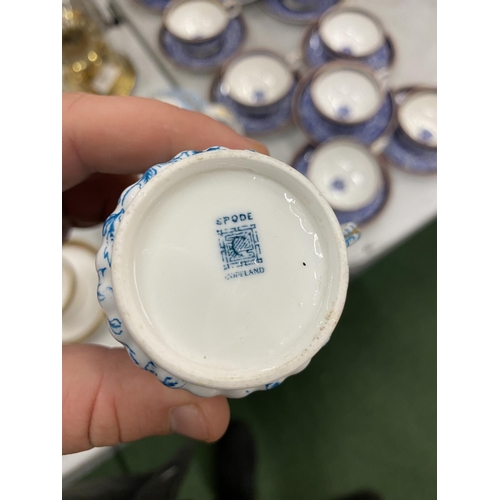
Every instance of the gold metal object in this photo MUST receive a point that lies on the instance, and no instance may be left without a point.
(88, 63)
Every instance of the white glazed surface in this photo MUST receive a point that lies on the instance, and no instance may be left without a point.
(346, 95)
(236, 328)
(257, 80)
(82, 314)
(196, 20)
(352, 31)
(346, 174)
(418, 117)
(201, 326)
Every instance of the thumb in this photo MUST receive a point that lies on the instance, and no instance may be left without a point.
(108, 400)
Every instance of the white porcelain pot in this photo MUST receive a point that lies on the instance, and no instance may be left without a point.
(222, 272)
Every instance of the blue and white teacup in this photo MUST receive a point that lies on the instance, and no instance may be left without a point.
(350, 33)
(413, 146)
(199, 25)
(348, 95)
(417, 117)
(257, 82)
(350, 178)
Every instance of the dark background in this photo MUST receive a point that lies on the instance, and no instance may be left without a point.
(361, 416)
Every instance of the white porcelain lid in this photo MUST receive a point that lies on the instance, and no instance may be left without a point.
(346, 174)
(196, 19)
(81, 313)
(346, 95)
(418, 117)
(352, 32)
(232, 274)
(257, 79)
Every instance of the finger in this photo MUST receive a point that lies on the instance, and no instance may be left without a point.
(91, 201)
(108, 400)
(127, 135)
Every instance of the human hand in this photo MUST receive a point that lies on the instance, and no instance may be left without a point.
(107, 141)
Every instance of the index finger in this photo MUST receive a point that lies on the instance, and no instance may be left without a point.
(127, 135)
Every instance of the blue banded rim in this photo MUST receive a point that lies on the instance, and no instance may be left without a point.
(362, 215)
(315, 53)
(278, 9)
(378, 127)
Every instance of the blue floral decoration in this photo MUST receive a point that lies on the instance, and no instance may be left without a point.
(131, 353)
(151, 368)
(115, 325)
(173, 382)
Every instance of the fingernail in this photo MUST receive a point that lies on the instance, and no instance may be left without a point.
(258, 146)
(188, 421)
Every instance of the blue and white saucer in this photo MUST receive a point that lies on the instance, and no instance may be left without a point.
(404, 154)
(258, 87)
(178, 53)
(319, 129)
(349, 177)
(316, 54)
(278, 9)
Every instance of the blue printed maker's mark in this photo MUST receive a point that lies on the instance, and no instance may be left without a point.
(239, 246)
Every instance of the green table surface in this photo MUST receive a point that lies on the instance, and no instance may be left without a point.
(361, 416)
